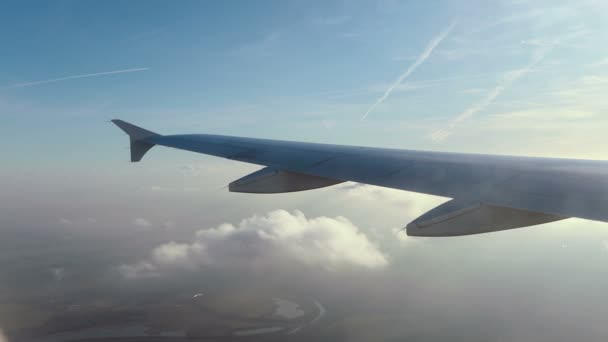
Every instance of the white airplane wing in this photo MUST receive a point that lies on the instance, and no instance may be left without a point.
(490, 193)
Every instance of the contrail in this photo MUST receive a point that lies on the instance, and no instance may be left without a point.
(510, 78)
(423, 57)
(29, 84)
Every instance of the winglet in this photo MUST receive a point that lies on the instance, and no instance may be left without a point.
(138, 136)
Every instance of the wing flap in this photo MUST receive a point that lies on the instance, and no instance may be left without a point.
(271, 181)
(461, 217)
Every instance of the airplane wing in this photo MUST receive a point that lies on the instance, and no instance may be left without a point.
(489, 193)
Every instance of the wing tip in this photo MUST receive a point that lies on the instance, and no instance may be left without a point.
(139, 146)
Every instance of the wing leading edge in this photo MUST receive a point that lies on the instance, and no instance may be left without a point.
(511, 191)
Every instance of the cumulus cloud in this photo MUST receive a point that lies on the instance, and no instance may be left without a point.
(265, 241)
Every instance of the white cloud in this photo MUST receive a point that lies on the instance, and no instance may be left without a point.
(279, 237)
(405, 200)
(365, 192)
(142, 269)
(142, 222)
(401, 236)
(174, 253)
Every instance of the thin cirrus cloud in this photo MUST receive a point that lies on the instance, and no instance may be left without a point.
(419, 60)
(508, 80)
(61, 79)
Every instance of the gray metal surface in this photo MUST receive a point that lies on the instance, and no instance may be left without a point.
(273, 181)
(562, 187)
(457, 217)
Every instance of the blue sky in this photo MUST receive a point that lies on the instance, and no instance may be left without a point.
(518, 77)
(303, 71)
